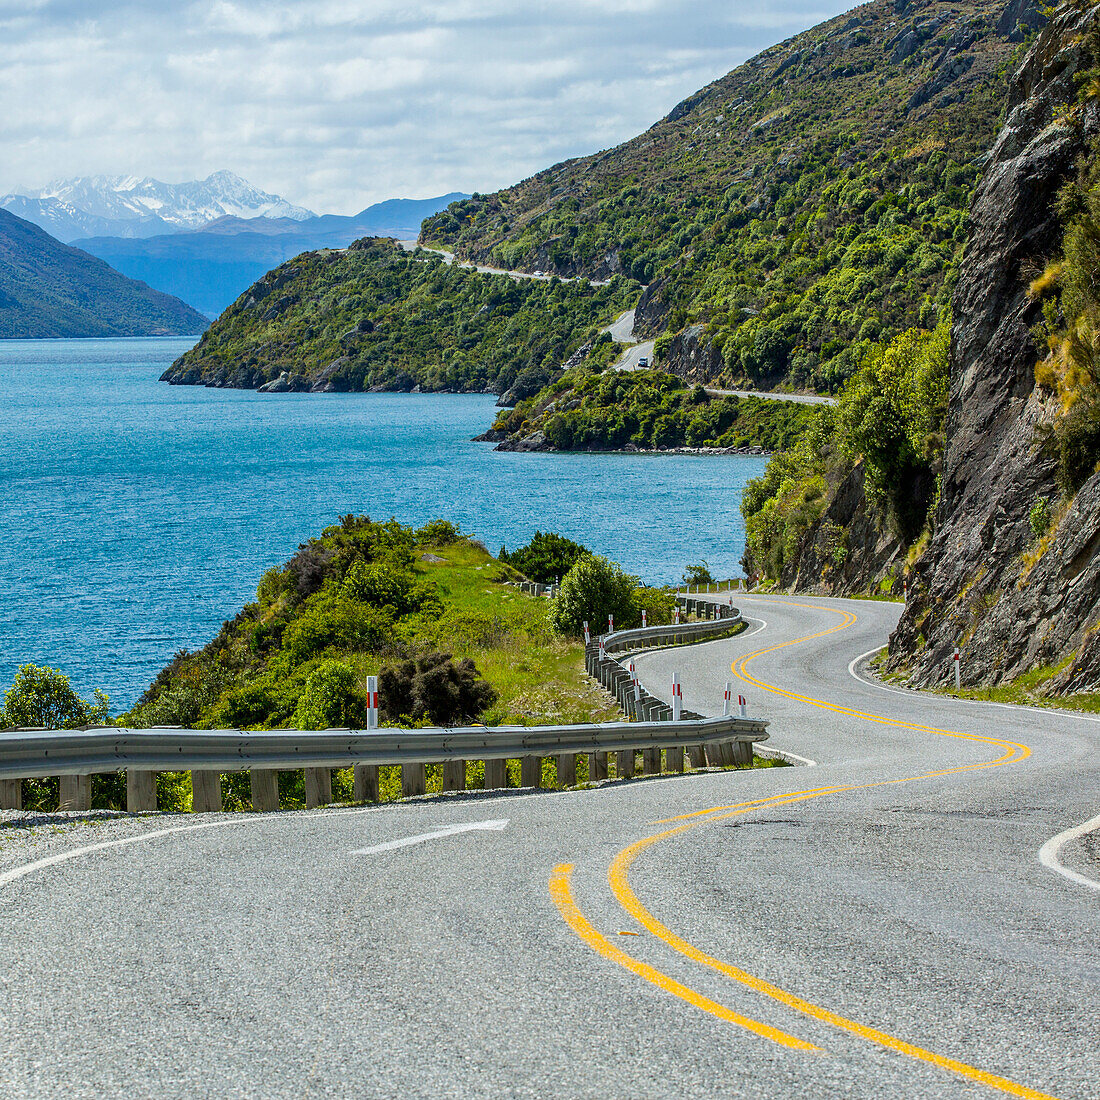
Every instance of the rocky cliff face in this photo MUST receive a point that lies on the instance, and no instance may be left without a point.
(1013, 603)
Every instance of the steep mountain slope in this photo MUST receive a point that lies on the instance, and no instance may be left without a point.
(377, 317)
(794, 211)
(1013, 570)
(48, 289)
(131, 207)
(210, 267)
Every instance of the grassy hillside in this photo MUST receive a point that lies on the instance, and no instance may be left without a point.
(644, 410)
(368, 598)
(377, 317)
(48, 289)
(803, 207)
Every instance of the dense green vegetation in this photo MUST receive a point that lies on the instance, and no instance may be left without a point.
(805, 207)
(1069, 293)
(890, 418)
(546, 558)
(648, 409)
(376, 317)
(48, 290)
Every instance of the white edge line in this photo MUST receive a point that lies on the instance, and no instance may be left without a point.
(1048, 853)
(87, 849)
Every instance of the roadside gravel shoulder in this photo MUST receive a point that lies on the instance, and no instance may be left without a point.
(29, 835)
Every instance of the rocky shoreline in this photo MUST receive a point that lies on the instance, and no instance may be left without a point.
(536, 442)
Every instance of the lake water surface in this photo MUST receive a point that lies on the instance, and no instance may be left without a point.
(137, 516)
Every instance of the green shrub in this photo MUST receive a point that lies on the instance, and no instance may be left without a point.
(436, 687)
(695, 575)
(44, 697)
(438, 532)
(337, 622)
(593, 589)
(1039, 517)
(331, 700)
(546, 558)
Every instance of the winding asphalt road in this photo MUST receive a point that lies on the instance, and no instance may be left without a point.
(878, 925)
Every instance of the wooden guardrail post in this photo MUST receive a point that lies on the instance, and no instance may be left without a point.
(567, 770)
(697, 754)
(11, 794)
(496, 774)
(366, 782)
(597, 767)
(75, 792)
(141, 790)
(454, 775)
(530, 770)
(742, 753)
(265, 789)
(318, 787)
(624, 763)
(206, 792)
(414, 780)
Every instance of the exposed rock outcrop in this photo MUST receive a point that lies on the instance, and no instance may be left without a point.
(1012, 603)
(848, 549)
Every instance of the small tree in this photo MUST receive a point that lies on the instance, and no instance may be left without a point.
(695, 575)
(331, 699)
(593, 589)
(546, 558)
(44, 697)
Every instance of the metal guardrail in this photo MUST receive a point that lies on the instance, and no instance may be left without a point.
(641, 706)
(75, 755)
(30, 753)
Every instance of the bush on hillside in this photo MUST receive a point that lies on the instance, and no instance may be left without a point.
(332, 699)
(593, 589)
(546, 558)
(436, 687)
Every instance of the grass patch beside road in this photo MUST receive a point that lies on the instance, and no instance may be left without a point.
(1024, 691)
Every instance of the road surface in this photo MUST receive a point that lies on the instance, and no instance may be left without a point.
(622, 332)
(878, 925)
(449, 258)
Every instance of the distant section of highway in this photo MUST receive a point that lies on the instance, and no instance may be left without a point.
(878, 925)
(621, 331)
(449, 258)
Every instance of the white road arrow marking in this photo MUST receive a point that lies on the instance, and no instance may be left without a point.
(450, 830)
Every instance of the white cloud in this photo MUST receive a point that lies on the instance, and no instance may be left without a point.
(338, 103)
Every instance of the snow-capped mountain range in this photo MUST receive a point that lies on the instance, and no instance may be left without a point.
(126, 206)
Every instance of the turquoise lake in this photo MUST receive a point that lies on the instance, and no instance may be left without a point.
(138, 516)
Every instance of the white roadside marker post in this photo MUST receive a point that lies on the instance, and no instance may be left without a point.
(958, 675)
(372, 702)
(365, 776)
(742, 706)
(643, 619)
(587, 635)
(677, 697)
(611, 624)
(729, 696)
(676, 616)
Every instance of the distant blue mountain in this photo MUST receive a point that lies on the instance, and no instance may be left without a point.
(50, 290)
(210, 267)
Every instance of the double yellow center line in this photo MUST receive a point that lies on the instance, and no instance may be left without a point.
(560, 891)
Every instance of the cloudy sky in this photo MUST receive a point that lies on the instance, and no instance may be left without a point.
(338, 103)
